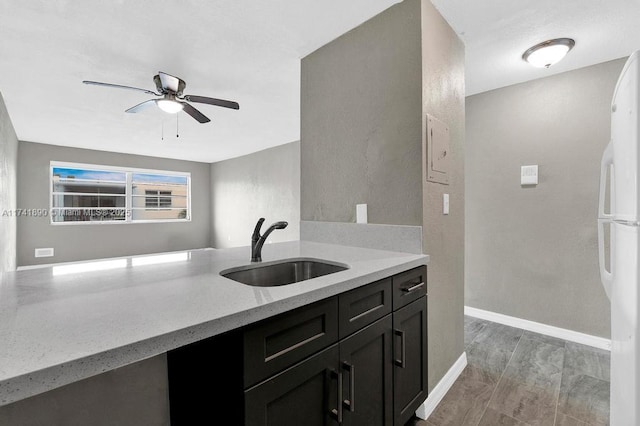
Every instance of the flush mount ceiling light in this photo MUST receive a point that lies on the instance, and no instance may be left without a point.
(549, 52)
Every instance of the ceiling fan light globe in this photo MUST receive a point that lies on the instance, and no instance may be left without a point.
(169, 106)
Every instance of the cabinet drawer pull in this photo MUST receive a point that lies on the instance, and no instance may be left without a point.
(413, 288)
(403, 360)
(337, 412)
(351, 402)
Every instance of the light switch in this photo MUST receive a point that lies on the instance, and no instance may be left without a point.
(529, 175)
(361, 213)
(445, 203)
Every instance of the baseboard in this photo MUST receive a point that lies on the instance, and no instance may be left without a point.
(441, 389)
(549, 330)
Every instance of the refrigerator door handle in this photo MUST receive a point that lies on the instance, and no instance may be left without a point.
(607, 161)
(605, 276)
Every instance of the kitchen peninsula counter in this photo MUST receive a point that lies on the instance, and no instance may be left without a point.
(66, 322)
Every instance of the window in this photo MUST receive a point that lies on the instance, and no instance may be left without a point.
(83, 193)
(153, 199)
(158, 196)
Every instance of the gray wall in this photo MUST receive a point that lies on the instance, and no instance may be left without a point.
(263, 184)
(532, 252)
(360, 122)
(363, 105)
(8, 171)
(137, 394)
(80, 242)
(443, 235)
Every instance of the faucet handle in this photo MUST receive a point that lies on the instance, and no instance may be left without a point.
(256, 231)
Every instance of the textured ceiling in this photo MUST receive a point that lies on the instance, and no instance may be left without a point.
(247, 51)
(242, 50)
(497, 32)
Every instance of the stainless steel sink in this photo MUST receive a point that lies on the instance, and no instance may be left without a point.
(282, 273)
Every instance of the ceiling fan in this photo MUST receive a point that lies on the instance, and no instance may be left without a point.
(173, 100)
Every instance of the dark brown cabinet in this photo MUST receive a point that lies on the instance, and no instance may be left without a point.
(279, 342)
(345, 384)
(366, 361)
(363, 306)
(410, 361)
(409, 286)
(306, 394)
(355, 359)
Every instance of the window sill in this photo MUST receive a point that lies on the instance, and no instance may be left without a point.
(114, 222)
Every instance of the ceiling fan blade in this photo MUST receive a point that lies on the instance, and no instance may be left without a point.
(212, 101)
(169, 82)
(142, 106)
(195, 113)
(119, 86)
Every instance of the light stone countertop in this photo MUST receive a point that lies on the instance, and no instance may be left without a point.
(59, 325)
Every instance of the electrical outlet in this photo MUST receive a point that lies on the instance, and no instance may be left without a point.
(44, 252)
(361, 213)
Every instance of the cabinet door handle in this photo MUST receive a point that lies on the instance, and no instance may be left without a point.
(413, 288)
(403, 353)
(351, 402)
(337, 412)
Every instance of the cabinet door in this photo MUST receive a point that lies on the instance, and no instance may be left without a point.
(410, 359)
(366, 361)
(305, 394)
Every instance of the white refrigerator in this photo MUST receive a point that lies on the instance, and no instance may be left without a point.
(621, 160)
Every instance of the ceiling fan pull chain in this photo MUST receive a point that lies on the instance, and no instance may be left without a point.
(162, 127)
(177, 134)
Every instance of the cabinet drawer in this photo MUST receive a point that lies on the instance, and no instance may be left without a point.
(279, 342)
(409, 286)
(362, 306)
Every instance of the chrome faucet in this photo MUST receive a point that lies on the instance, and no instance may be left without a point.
(257, 240)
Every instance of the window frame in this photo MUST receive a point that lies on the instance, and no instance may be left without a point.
(128, 208)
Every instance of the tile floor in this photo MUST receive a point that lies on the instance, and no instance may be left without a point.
(516, 377)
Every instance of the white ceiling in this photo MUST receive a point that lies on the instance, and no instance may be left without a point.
(247, 51)
(243, 50)
(497, 32)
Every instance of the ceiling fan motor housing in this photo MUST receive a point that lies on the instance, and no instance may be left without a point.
(165, 90)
